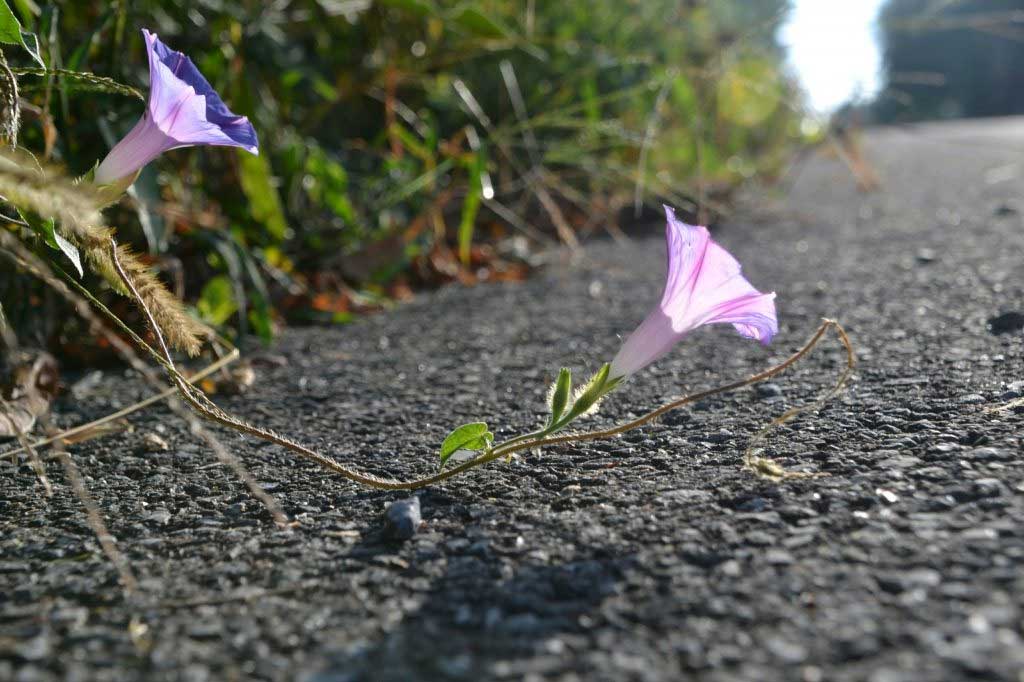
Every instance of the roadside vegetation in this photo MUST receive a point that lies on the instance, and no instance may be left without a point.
(403, 143)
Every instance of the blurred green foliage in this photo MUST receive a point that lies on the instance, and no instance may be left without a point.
(392, 129)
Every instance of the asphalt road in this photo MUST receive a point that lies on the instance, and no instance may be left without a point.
(650, 557)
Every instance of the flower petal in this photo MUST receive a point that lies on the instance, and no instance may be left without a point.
(141, 145)
(706, 286)
(703, 286)
(173, 76)
(648, 342)
(753, 316)
(686, 247)
(183, 110)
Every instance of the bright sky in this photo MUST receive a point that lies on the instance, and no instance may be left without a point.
(833, 49)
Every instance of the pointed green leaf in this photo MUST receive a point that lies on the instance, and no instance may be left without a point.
(257, 180)
(559, 398)
(592, 392)
(473, 436)
(470, 208)
(484, 25)
(217, 302)
(328, 184)
(10, 27)
(47, 230)
(65, 247)
(31, 44)
(11, 33)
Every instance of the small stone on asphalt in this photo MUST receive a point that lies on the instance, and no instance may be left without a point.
(403, 518)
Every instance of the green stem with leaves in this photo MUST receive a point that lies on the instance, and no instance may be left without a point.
(586, 400)
(759, 465)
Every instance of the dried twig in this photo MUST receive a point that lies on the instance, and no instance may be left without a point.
(93, 516)
(37, 463)
(26, 259)
(69, 434)
(75, 207)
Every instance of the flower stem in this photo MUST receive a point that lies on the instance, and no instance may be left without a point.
(519, 443)
(694, 397)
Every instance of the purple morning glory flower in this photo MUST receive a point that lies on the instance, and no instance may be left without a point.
(183, 110)
(703, 286)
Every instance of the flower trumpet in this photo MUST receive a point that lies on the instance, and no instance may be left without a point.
(183, 110)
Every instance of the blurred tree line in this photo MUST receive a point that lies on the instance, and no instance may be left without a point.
(951, 59)
(404, 141)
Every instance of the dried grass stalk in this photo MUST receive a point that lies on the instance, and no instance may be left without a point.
(75, 208)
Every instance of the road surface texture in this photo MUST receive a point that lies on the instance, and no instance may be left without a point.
(650, 557)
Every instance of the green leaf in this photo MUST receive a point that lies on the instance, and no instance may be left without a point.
(593, 391)
(559, 398)
(31, 44)
(264, 201)
(417, 7)
(412, 143)
(217, 302)
(262, 323)
(470, 208)
(55, 240)
(11, 33)
(481, 24)
(10, 27)
(261, 315)
(473, 436)
(328, 184)
(48, 231)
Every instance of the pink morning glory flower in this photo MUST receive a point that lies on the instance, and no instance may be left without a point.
(703, 286)
(183, 110)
